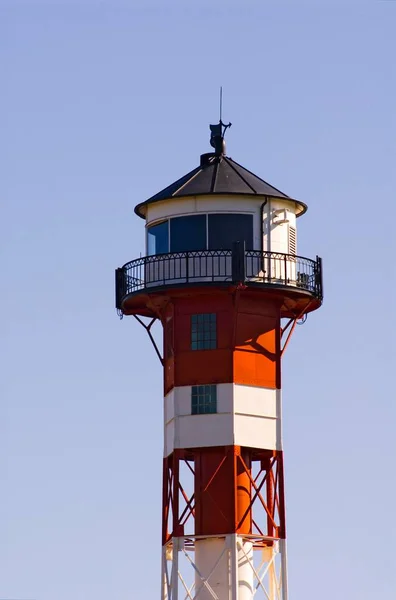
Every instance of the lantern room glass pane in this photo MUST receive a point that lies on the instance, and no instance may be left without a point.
(188, 233)
(158, 239)
(225, 229)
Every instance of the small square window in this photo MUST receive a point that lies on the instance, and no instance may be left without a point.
(203, 331)
(203, 399)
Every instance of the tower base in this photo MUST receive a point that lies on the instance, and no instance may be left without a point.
(230, 567)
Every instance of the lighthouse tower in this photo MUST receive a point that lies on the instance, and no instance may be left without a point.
(222, 274)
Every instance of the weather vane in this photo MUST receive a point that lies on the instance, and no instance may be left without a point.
(217, 132)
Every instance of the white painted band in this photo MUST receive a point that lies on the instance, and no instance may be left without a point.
(246, 416)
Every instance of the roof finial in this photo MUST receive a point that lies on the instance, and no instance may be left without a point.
(218, 131)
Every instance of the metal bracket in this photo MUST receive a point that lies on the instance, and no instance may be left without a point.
(293, 322)
(147, 328)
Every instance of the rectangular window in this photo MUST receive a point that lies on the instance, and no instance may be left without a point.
(203, 399)
(225, 229)
(203, 331)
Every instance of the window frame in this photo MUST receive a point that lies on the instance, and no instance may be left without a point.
(154, 224)
(199, 391)
(205, 337)
(206, 214)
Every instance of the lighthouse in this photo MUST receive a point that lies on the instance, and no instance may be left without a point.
(222, 274)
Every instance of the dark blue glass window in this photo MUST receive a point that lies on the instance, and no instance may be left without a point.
(203, 331)
(188, 233)
(224, 229)
(158, 239)
(203, 399)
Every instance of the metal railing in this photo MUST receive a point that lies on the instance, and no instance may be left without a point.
(219, 266)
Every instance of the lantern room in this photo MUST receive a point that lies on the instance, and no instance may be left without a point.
(220, 223)
(218, 203)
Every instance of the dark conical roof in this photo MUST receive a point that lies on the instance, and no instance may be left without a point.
(218, 174)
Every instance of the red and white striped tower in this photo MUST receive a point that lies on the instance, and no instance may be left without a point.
(222, 274)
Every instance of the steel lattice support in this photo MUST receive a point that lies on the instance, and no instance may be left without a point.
(262, 547)
(262, 567)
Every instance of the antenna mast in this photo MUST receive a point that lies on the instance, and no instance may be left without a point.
(218, 131)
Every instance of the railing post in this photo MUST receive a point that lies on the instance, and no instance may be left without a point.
(238, 262)
(187, 267)
(119, 287)
(285, 261)
(319, 277)
(271, 267)
(160, 265)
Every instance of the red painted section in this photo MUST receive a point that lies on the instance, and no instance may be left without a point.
(248, 344)
(222, 492)
(152, 303)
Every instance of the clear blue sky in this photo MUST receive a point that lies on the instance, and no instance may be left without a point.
(102, 105)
